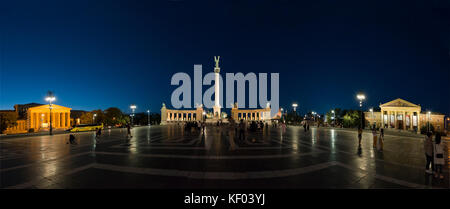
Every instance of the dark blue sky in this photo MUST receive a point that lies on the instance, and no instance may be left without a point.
(98, 54)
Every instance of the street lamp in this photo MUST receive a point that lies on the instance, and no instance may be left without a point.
(371, 111)
(148, 112)
(133, 107)
(361, 97)
(428, 119)
(50, 98)
(295, 107)
(93, 117)
(204, 115)
(333, 117)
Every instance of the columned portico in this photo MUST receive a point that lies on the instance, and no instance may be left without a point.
(39, 117)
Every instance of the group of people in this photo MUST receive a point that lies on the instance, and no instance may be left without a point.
(378, 142)
(194, 125)
(305, 127)
(434, 154)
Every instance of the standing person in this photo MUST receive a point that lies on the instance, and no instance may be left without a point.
(428, 148)
(359, 135)
(203, 126)
(380, 141)
(438, 156)
(129, 131)
(283, 127)
(242, 130)
(374, 134)
(98, 132)
(304, 126)
(72, 139)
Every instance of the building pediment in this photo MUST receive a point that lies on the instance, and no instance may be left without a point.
(399, 103)
(46, 107)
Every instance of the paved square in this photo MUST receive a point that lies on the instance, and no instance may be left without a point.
(168, 157)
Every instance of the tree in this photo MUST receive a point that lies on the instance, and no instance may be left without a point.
(351, 119)
(7, 120)
(86, 118)
(100, 116)
(113, 116)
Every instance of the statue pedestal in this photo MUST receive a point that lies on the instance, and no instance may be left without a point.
(216, 114)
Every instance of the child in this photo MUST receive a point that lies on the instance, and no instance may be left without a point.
(374, 133)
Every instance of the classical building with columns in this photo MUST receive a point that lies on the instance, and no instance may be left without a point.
(403, 115)
(251, 114)
(175, 116)
(35, 117)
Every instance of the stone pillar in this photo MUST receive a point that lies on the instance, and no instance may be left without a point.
(418, 122)
(404, 120)
(389, 119)
(68, 119)
(56, 120)
(63, 120)
(36, 117)
(395, 119)
(411, 116)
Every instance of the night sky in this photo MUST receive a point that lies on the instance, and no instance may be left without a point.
(99, 54)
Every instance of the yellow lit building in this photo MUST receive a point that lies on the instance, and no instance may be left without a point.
(403, 115)
(35, 117)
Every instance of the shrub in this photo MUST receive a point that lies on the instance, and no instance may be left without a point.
(424, 128)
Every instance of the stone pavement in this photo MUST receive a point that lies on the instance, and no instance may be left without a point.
(168, 157)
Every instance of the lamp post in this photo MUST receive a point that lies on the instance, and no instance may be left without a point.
(295, 107)
(204, 115)
(314, 115)
(50, 98)
(148, 112)
(361, 97)
(371, 111)
(93, 117)
(428, 119)
(334, 117)
(133, 107)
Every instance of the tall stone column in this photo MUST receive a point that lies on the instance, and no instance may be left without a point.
(63, 119)
(389, 119)
(68, 119)
(418, 122)
(36, 116)
(395, 119)
(404, 120)
(56, 120)
(216, 107)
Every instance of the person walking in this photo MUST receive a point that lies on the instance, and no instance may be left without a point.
(98, 132)
(428, 148)
(72, 139)
(129, 131)
(374, 134)
(438, 156)
(380, 141)
(359, 135)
